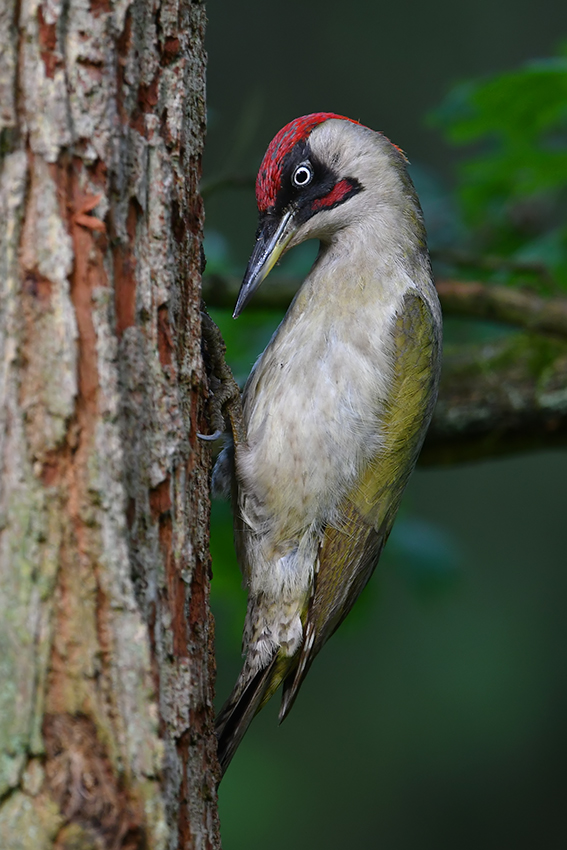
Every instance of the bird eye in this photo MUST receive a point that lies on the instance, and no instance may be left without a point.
(303, 175)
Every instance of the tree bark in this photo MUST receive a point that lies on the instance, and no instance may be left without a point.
(105, 634)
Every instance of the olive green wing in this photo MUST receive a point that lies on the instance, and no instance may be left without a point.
(351, 548)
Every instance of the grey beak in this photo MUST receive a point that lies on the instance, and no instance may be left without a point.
(270, 245)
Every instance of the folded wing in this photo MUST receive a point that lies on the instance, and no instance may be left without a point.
(351, 548)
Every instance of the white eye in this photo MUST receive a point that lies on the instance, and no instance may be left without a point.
(303, 175)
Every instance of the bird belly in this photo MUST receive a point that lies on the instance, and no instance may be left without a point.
(312, 429)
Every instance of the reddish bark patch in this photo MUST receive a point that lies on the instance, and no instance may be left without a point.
(124, 39)
(83, 206)
(165, 342)
(176, 589)
(160, 499)
(68, 466)
(148, 95)
(125, 276)
(89, 243)
(170, 49)
(160, 505)
(87, 274)
(51, 470)
(99, 173)
(178, 225)
(94, 66)
(198, 607)
(48, 45)
(147, 100)
(100, 7)
(81, 779)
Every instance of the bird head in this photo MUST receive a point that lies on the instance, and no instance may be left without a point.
(320, 173)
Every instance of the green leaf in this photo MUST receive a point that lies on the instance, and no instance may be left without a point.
(513, 187)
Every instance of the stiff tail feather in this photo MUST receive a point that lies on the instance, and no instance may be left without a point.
(238, 711)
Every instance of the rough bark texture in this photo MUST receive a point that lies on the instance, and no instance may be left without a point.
(105, 636)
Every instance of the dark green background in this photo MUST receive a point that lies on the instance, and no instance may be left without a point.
(435, 718)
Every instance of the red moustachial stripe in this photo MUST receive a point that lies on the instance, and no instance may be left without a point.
(336, 194)
(269, 178)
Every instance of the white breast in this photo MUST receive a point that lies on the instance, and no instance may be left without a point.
(313, 405)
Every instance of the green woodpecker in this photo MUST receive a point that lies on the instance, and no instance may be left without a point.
(337, 406)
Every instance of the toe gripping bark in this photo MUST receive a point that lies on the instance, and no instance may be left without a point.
(224, 393)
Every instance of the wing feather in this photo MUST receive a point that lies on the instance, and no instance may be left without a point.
(351, 548)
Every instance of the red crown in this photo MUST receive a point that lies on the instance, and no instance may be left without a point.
(269, 178)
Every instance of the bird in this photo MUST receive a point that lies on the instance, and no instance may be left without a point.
(336, 408)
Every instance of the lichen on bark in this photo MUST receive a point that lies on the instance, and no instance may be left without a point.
(106, 708)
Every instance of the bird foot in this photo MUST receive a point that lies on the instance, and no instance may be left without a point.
(224, 393)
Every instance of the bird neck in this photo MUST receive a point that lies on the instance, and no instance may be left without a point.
(385, 253)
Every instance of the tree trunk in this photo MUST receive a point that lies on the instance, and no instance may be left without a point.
(105, 634)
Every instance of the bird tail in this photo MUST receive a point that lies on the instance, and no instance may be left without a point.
(248, 697)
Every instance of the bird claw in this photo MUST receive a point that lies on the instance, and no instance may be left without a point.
(224, 399)
(210, 438)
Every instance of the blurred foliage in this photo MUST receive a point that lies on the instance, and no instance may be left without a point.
(426, 555)
(513, 186)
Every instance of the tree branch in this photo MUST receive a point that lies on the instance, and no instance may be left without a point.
(494, 399)
(511, 306)
(505, 304)
(499, 398)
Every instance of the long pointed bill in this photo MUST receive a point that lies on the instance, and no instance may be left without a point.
(269, 247)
